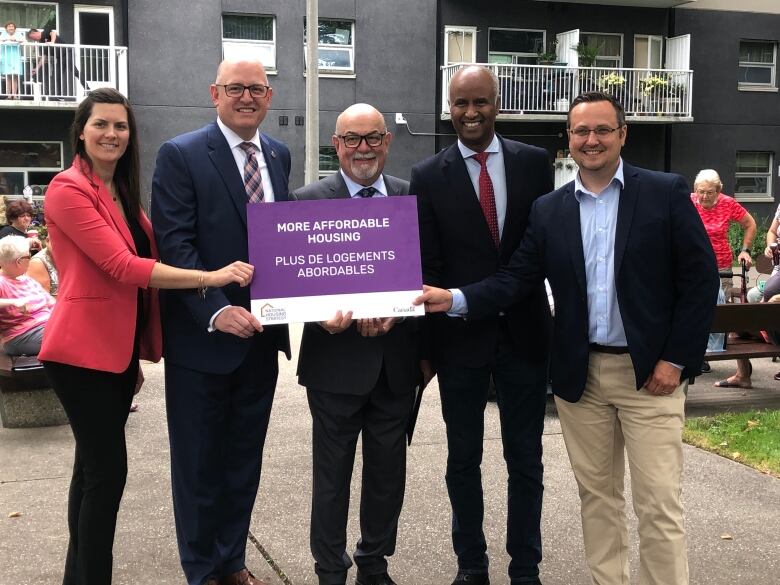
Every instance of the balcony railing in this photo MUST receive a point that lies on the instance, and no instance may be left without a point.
(58, 75)
(544, 92)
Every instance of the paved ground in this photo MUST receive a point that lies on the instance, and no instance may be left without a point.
(721, 497)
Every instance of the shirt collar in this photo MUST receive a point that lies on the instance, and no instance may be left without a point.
(579, 188)
(493, 147)
(234, 139)
(354, 187)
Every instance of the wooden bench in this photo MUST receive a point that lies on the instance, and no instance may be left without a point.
(753, 317)
(26, 397)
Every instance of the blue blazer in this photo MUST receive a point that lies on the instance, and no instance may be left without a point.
(199, 216)
(665, 275)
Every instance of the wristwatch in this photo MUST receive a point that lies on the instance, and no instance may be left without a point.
(745, 249)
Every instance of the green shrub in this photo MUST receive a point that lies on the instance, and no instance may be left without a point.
(736, 236)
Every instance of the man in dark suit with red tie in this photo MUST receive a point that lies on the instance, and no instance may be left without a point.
(474, 199)
(220, 363)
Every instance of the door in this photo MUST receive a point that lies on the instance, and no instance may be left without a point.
(94, 38)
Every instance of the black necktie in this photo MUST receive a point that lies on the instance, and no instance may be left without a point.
(367, 192)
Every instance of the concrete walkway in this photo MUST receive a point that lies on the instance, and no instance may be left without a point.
(721, 497)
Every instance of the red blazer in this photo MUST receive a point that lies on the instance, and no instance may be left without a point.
(93, 321)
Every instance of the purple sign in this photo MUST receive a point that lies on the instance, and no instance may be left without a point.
(334, 247)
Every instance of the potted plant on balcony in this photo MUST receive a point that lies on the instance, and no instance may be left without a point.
(654, 88)
(586, 57)
(549, 56)
(613, 83)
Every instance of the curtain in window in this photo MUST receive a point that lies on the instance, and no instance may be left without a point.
(247, 27)
(28, 15)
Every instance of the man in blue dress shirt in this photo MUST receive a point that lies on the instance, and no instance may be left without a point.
(631, 270)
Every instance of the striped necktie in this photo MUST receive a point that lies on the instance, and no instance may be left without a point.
(253, 181)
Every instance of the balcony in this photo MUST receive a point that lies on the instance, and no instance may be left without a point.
(59, 76)
(538, 93)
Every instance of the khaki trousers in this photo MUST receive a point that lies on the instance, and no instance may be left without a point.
(610, 416)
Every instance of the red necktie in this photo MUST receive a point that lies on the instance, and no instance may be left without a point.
(487, 198)
(253, 181)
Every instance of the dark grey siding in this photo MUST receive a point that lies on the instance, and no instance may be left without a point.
(173, 63)
(726, 120)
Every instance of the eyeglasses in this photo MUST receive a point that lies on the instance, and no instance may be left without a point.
(20, 258)
(353, 140)
(237, 90)
(600, 131)
(709, 193)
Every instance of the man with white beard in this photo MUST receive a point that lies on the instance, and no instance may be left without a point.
(360, 377)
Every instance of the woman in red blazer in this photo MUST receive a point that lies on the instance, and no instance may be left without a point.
(106, 316)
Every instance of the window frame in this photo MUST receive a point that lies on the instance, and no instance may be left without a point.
(748, 85)
(462, 30)
(244, 44)
(514, 55)
(752, 196)
(326, 172)
(27, 170)
(617, 62)
(348, 49)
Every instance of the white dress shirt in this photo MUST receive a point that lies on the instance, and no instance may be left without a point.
(234, 141)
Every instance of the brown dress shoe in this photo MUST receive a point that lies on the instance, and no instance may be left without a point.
(242, 577)
(211, 581)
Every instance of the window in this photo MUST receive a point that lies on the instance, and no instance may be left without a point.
(329, 161)
(28, 14)
(512, 46)
(247, 35)
(28, 163)
(648, 52)
(336, 48)
(753, 177)
(460, 44)
(757, 61)
(610, 48)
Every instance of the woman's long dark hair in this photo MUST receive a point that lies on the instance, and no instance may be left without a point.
(127, 175)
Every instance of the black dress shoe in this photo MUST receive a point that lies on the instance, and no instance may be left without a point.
(469, 579)
(378, 579)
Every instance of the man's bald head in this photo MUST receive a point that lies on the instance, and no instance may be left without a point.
(362, 163)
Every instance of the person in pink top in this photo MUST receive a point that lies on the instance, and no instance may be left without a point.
(717, 211)
(25, 306)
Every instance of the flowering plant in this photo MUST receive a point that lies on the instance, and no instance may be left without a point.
(652, 83)
(610, 80)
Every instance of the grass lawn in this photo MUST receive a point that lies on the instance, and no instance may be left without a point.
(752, 438)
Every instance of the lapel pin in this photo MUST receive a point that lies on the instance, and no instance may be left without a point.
(273, 153)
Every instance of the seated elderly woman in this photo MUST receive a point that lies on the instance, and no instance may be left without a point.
(25, 306)
(19, 216)
(43, 269)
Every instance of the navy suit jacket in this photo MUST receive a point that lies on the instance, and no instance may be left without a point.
(348, 363)
(457, 249)
(199, 218)
(665, 275)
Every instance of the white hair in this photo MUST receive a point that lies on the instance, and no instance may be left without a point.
(709, 176)
(12, 247)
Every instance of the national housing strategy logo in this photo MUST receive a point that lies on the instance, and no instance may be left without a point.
(271, 313)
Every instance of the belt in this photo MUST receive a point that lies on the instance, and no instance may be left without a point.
(614, 349)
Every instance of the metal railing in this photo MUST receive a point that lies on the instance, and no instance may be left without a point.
(549, 89)
(47, 72)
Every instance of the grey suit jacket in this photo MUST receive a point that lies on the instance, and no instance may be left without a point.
(348, 363)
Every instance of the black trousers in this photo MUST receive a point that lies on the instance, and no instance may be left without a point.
(97, 404)
(338, 419)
